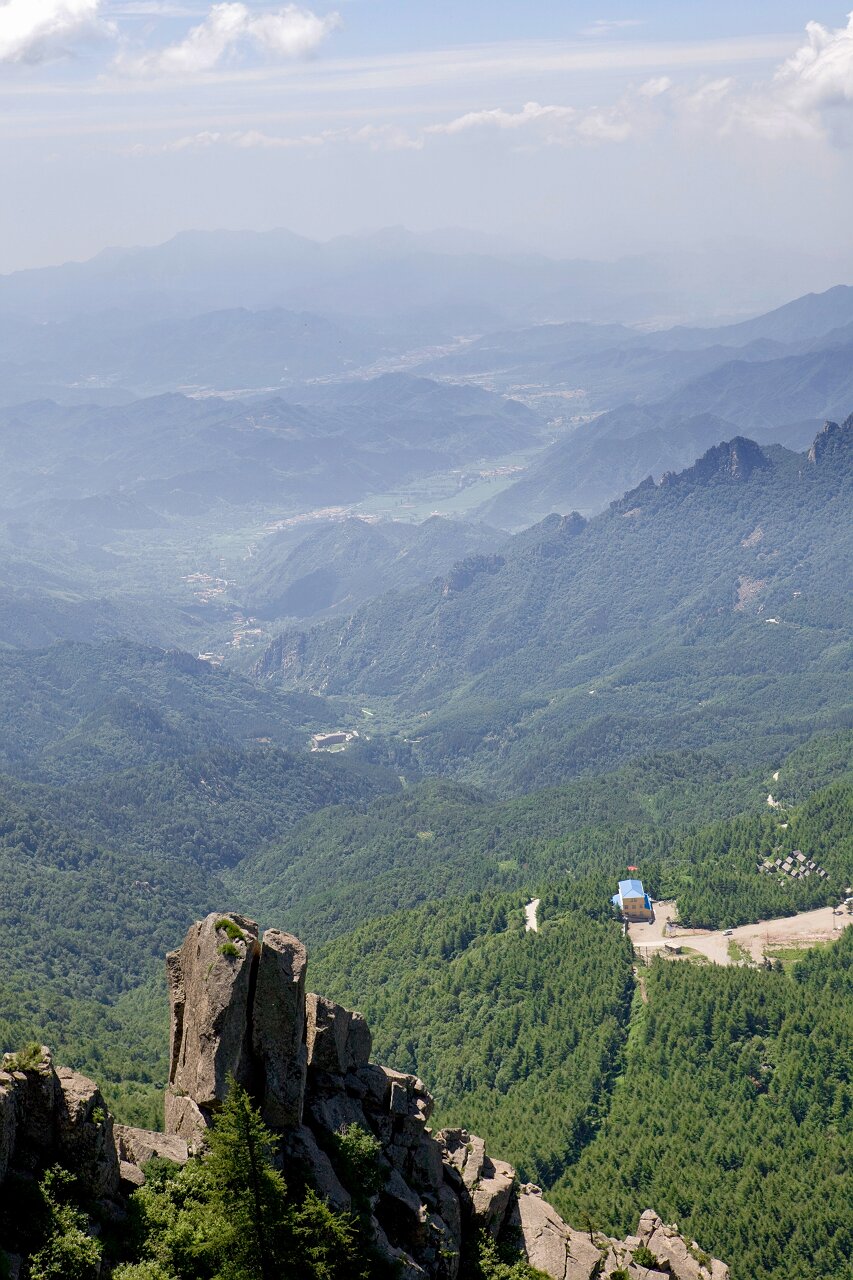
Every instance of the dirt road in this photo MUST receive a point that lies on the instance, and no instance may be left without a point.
(802, 930)
(530, 917)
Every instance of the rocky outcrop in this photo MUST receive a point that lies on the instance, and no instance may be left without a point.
(466, 571)
(241, 1010)
(278, 1027)
(832, 440)
(210, 981)
(561, 1251)
(672, 1253)
(735, 459)
(551, 1244)
(284, 656)
(52, 1116)
(135, 1147)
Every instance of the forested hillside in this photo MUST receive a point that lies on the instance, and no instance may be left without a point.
(335, 568)
(665, 686)
(78, 711)
(705, 610)
(520, 1035)
(702, 1096)
(734, 1113)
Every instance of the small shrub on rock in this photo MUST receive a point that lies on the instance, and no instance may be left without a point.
(356, 1157)
(26, 1059)
(644, 1257)
(235, 933)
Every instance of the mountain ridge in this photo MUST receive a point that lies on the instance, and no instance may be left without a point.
(758, 533)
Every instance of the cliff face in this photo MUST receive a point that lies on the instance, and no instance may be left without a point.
(240, 1009)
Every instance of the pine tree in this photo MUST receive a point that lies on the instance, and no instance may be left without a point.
(247, 1195)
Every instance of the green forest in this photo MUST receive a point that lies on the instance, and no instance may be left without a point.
(532, 729)
(734, 1116)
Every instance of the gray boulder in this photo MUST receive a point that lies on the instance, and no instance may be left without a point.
(299, 1148)
(682, 1260)
(138, 1146)
(550, 1243)
(491, 1196)
(359, 1045)
(35, 1090)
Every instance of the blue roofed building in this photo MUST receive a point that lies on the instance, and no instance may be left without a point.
(633, 901)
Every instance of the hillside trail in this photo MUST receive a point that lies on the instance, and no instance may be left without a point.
(531, 919)
(641, 982)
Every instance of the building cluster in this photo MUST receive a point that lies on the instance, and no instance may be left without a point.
(796, 865)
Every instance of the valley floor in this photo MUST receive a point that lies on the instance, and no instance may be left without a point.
(753, 941)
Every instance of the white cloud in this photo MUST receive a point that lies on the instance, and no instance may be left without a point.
(531, 113)
(607, 26)
(156, 9)
(34, 30)
(242, 140)
(563, 125)
(820, 73)
(377, 137)
(291, 32)
(656, 87)
(808, 97)
(807, 91)
(382, 137)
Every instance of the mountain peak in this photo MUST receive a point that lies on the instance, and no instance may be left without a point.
(831, 440)
(735, 459)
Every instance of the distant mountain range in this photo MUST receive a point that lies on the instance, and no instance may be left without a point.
(776, 393)
(106, 513)
(174, 456)
(393, 272)
(724, 582)
(110, 503)
(117, 355)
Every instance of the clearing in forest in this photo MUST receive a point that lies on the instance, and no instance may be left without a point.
(731, 947)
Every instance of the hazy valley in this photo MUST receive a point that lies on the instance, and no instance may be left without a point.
(381, 624)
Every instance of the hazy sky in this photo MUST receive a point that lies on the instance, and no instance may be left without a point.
(582, 128)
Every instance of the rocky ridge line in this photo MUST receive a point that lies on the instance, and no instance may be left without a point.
(239, 1008)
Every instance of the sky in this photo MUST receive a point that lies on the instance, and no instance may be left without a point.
(575, 128)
